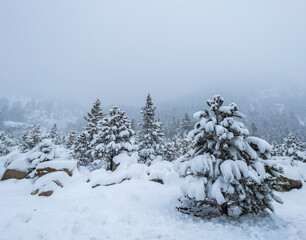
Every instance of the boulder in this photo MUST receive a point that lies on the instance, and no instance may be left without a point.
(114, 166)
(12, 173)
(46, 193)
(157, 180)
(110, 184)
(35, 192)
(291, 184)
(43, 171)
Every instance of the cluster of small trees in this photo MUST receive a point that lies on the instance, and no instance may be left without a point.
(292, 147)
(107, 135)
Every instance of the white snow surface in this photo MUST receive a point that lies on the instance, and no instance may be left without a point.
(135, 209)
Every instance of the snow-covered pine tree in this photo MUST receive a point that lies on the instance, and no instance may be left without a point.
(55, 135)
(186, 125)
(4, 148)
(82, 150)
(151, 135)
(30, 139)
(170, 152)
(93, 117)
(182, 145)
(133, 125)
(115, 136)
(293, 147)
(25, 142)
(36, 135)
(71, 139)
(227, 171)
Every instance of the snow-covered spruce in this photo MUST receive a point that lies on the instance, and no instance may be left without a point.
(186, 125)
(55, 135)
(292, 147)
(225, 171)
(71, 139)
(114, 136)
(7, 141)
(151, 136)
(82, 152)
(31, 139)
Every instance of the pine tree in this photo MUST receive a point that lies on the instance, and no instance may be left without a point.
(186, 125)
(30, 139)
(4, 148)
(36, 135)
(71, 139)
(82, 150)
(293, 147)
(170, 151)
(115, 136)
(133, 125)
(151, 135)
(54, 135)
(227, 171)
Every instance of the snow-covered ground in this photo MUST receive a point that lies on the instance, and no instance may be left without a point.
(134, 209)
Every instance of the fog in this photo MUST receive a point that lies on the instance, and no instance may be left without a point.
(119, 50)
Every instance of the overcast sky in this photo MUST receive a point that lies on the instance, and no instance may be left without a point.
(120, 50)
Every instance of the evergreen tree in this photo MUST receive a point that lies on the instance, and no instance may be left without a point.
(182, 145)
(4, 148)
(71, 139)
(82, 150)
(293, 147)
(54, 135)
(30, 139)
(226, 171)
(93, 117)
(115, 136)
(186, 125)
(170, 151)
(151, 135)
(133, 125)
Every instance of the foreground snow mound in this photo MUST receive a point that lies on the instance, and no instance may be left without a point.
(47, 184)
(135, 209)
(128, 168)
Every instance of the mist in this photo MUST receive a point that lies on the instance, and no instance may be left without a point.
(119, 51)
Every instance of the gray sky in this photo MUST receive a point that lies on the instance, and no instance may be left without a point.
(120, 50)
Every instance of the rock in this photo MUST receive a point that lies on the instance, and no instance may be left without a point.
(292, 184)
(43, 171)
(114, 166)
(110, 184)
(58, 183)
(157, 180)
(12, 173)
(35, 192)
(46, 193)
